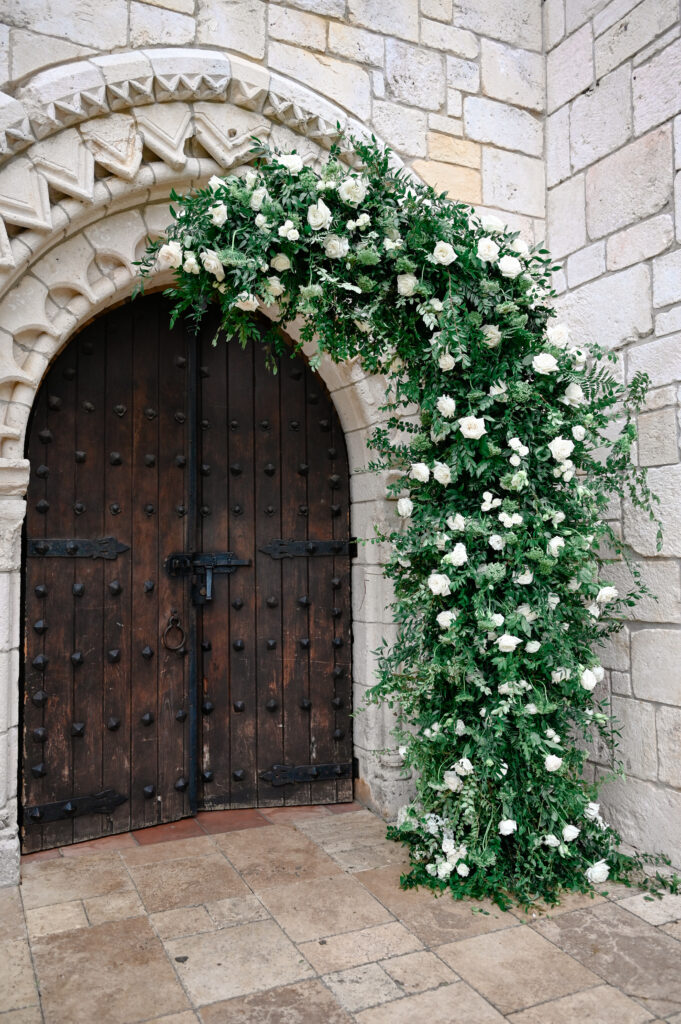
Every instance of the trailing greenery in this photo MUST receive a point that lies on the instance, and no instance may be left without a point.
(506, 443)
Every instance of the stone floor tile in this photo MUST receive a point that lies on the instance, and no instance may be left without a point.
(31, 858)
(568, 901)
(28, 1015)
(354, 948)
(59, 917)
(335, 834)
(170, 884)
(237, 910)
(174, 830)
(115, 907)
(417, 972)
(124, 841)
(662, 910)
(345, 808)
(624, 950)
(451, 1004)
(290, 815)
(308, 1002)
(325, 827)
(188, 1017)
(214, 822)
(366, 858)
(172, 924)
(600, 1005)
(17, 981)
(108, 974)
(154, 853)
(676, 1019)
(236, 961)
(361, 987)
(433, 920)
(72, 878)
(673, 929)
(619, 891)
(276, 855)
(514, 970)
(12, 913)
(323, 906)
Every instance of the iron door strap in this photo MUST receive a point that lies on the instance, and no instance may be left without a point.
(76, 547)
(104, 802)
(289, 775)
(309, 548)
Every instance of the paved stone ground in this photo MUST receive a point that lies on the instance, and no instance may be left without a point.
(295, 916)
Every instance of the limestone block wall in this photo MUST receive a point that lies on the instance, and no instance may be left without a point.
(613, 170)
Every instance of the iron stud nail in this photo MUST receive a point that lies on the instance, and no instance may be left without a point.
(294, 424)
(181, 461)
(271, 602)
(40, 662)
(337, 703)
(147, 652)
(71, 547)
(269, 510)
(303, 510)
(237, 510)
(69, 807)
(296, 374)
(147, 718)
(235, 469)
(205, 469)
(77, 658)
(39, 735)
(42, 471)
(39, 698)
(271, 645)
(238, 603)
(115, 509)
(113, 724)
(335, 510)
(207, 775)
(238, 775)
(149, 460)
(54, 403)
(272, 704)
(334, 482)
(40, 590)
(270, 470)
(204, 424)
(325, 425)
(313, 399)
(115, 587)
(45, 436)
(239, 706)
(78, 729)
(305, 642)
(205, 511)
(42, 506)
(113, 655)
(41, 547)
(304, 601)
(335, 582)
(207, 707)
(148, 792)
(120, 410)
(149, 509)
(181, 715)
(150, 413)
(206, 645)
(238, 645)
(303, 469)
(80, 456)
(264, 424)
(337, 641)
(35, 814)
(87, 348)
(148, 586)
(338, 672)
(336, 613)
(234, 425)
(332, 453)
(180, 362)
(79, 507)
(115, 458)
(181, 510)
(181, 784)
(204, 371)
(40, 626)
(78, 589)
(38, 771)
(69, 373)
(88, 407)
(338, 734)
(306, 704)
(180, 416)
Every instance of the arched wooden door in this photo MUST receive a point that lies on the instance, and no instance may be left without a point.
(187, 598)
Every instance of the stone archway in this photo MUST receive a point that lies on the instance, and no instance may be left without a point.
(92, 151)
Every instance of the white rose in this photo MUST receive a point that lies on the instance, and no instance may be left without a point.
(515, 460)
(559, 675)
(472, 427)
(491, 335)
(211, 263)
(606, 594)
(446, 361)
(594, 610)
(520, 246)
(496, 542)
(558, 334)
(458, 556)
(507, 643)
(570, 832)
(319, 216)
(550, 840)
(561, 448)
(507, 827)
(352, 190)
(460, 727)
(524, 578)
(573, 396)
(251, 177)
(170, 256)
(491, 223)
(554, 546)
(452, 781)
(439, 584)
(261, 222)
(463, 766)
(336, 247)
(456, 523)
(591, 811)
(190, 265)
(553, 601)
(248, 303)
(498, 619)
(552, 763)
(579, 433)
(291, 161)
(280, 262)
(599, 672)
(442, 473)
(258, 197)
(218, 214)
(588, 679)
(532, 646)
(463, 869)
(445, 619)
(488, 251)
(443, 253)
(544, 363)
(598, 872)
(275, 286)
(510, 266)
(214, 183)
(405, 507)
(444, 869)
(406, 284)
(446, 406)
(498, 391)
(419, 471)
(363, 221)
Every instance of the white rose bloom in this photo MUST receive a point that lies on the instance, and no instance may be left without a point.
(444, 869)
(293, 234)
(560, 675)
(431, 869)
(419, 471)
(491, 223)
(524, 578)
(496, 542)
(261, 222)
(363, 221)
(606, 594)
(251, 177)
(579, 433)
(552, 763)
(170, 256)
(532, 646)
(452, 781)
(445, 619)
(554, 546)
(275, 287)
(443, 253)
(441, 541)
(488, 251)
(558, 334)
(319, 216)
(472, 427)
(570, 832)
(553, 601)
(335, 247)
(598, 872)
(497, 619)
(446, 361)
(507, 827)
(463, 869)
(463, 766)
(515, 460)
(457, 556)
(507, 643)
(456, 523)
(442, 473)
(190, 265)
(247, 302)
(446, 406)
(544, 363)
(599, 672)
(352, 190)
(573, 396)
(594, 610)
(550, 840)
(588, 679)
(214, 183)
(439, 584)
(291, 161)
(211, 263)
(491, 335)
(280, 262)
(561, 448)
(218, 214)
(406, 284)
(258, 197)
(591, 811)
(498, 391)
(405, 507)
(510, 266)
(521, 247)
(460, 727)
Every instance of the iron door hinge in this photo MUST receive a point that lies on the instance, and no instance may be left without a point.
(98, 803)
(289, 775)
(75, 547)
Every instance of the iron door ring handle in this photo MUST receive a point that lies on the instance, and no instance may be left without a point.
(173, 623)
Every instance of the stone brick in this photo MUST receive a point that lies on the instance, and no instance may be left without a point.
(611, 13)
(513, 182)
(630, 184)
(297, 27)
(669, 745)
(612, 310)
(657, 441)
(677, 141)
(645, 812)
(615, 653)
(586, 264)
(640, 242)
(441, 10)
(667, 279)
(579, 11)
(463, 74)
(233, 24)
(677, 205)
(415, 76)
(569, 69)
(557, 151)
(462, 184)
(404, 128)
(554, 23)
(150, 26)
(655, 660)
(453, 40)
(631, 33)
(620, 683)
(660, 359)
(401, 20)
(454, 103)
(565, 217)
(669, 321)
(520, 24)
(489, 121)
(658, 398)
(600, 120)
(98, 25)
(513, 75)
(356, 44)
(662, 579)
(446, 125)
(656, 89)
(637, 743)
(348, 85)
(31, 53)
(639, 531)
(453, 151)
(182, 6)
(378, 84)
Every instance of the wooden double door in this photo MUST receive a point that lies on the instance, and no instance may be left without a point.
(187, 584)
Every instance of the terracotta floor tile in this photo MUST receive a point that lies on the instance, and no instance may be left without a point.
(237, 910)
(655, 911)
(214, 822)
(451, 1004)
(116, 907)
(514, 970)
(286, 815)
(17, 982)
(167, 885)
(236, 961)
(323, 906)
(173, 924)
(59, 917)
(569, 901)
(351, 949)
(107, 974)
(345, 808)
(12, 913)
(308, 1002)
(174, 830)
(124, 841)
(31, 858)
(275, 856)
(601, 1005)
(154, 853)
(72, 878)
(29, 1015)
(624, 950)
(361, 987)
(418, 972)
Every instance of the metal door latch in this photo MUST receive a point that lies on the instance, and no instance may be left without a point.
(201, 566)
